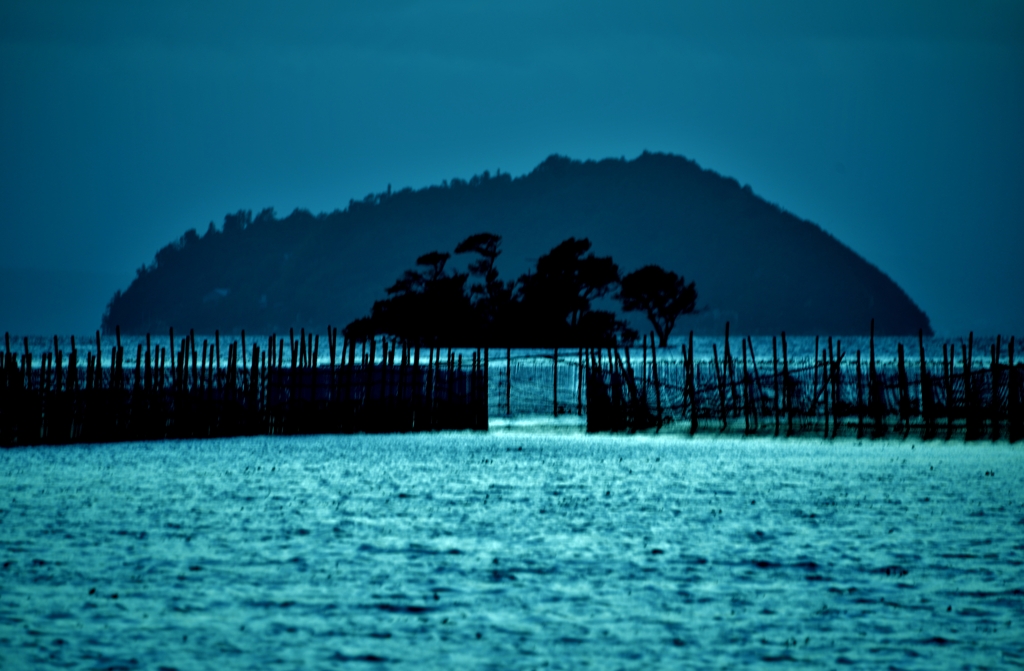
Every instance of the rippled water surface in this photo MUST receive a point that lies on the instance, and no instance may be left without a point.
(512, 549)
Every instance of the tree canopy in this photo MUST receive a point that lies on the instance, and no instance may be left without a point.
(661, 295)
(550, 305)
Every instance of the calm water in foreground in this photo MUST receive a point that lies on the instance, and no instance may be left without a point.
(512, 550)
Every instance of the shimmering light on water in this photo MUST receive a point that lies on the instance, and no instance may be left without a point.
(512, 549)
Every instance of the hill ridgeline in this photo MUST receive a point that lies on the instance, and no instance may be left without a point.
(754, 264)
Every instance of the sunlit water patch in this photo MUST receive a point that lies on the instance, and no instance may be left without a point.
(514, 549)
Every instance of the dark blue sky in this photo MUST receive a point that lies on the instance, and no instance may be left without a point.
(896, 126)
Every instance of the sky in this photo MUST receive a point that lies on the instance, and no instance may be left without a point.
(895, 126)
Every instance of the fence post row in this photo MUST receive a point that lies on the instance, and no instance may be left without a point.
(44, 398)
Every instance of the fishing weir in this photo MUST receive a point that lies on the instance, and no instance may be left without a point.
(262, 393)
(186, 390)
(835, 394)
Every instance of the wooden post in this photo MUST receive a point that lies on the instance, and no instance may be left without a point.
(973, 430)
(755, 388)
(450, 387)
(332, 345)
(825, 382)
(177, 359)
(994, 371)
(834, 382)
(876, 402)
(371, 368)
(335, 377)
(314, 365)
(26, 366)
(195, 368)
(254, 378)
(814, 385)
(72, 372)
(554, 358)
(904, 389)
(655, 379)
(947, 383)
(787, 387)
(148, 381)
(721, 386)
(402, 372)
(118, 372)
(927, 402)
(692, 385)
(203, 374)
(350, 374)
(643, 369)
(775, 380)
(219, 382)
(171, 348)
(508, 382)
(90, 367)
(57, 373)
(98, 365)
(579, 383)
(729, 370)
(385, 369)
(746, 391)
(1013, 398)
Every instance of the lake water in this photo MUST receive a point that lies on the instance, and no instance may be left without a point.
(512, 549)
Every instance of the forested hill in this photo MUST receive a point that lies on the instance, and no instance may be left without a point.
(754, 264)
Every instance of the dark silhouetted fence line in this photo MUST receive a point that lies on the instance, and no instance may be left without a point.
(829, 395)
(186, 389)
(257, 393)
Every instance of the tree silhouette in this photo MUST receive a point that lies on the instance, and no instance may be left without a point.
(430, 304)
(493, 296)
(662, 295)
(557, 296)
(417, 281)
(566, 281)
(426, 305)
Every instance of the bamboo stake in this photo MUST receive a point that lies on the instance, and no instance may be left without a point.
(825, 386)
(994, 370)
(218, 382)
(691, 384)
(554, 359)
(969, 401)
(721, 386)
(875, 400)
(97, 370)
(149, 361)
(775, 381)
(57, 373)
(203, 369)
(787, 387)
(834, 372)
(756, 395)
(1013, 397)
(746, 391)
(579, 382)
(729, 370)
(508, 382)
(643, 369)
(655, 379)
(814, 385)
(904, 389)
